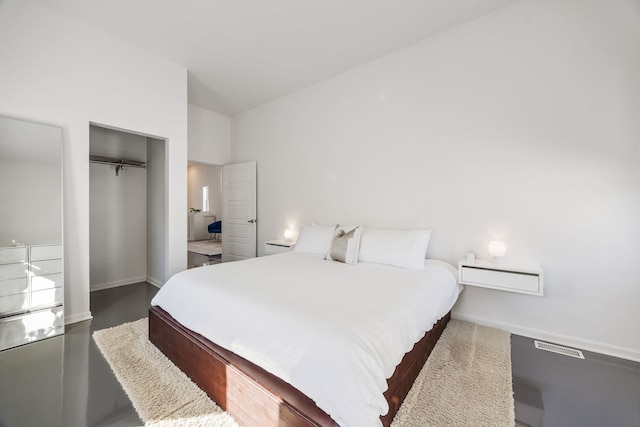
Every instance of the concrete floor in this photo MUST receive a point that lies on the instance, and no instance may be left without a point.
(64, 381)
(557, 390)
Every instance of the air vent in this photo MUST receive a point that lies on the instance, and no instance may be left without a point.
(554, 348)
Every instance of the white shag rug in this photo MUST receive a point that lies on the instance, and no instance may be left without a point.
(205, 247)
(465, 382)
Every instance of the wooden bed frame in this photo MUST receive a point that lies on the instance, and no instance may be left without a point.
(256, 398)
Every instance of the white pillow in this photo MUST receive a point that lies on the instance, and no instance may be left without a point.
(400, 248)
(345, 244)
(314, 239)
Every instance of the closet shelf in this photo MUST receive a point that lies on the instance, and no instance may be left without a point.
(120, 164)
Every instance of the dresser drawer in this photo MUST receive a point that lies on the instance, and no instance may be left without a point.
(17, 330)
(13, 286)
(47, 298)
(13, 332)
(13, 271)
(47, 281)
(45, 323)
(14, 303)
(13, 255)
(39, 253)
(40, 268)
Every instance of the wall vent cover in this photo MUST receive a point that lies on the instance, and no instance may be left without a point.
(554, 348)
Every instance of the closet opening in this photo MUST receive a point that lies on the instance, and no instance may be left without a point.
(204, 204)
(127, 208)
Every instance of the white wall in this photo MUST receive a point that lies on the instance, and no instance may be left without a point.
(30, 205)
(58, 71)
(522, 126)
(117, 211)
(209, 136)
(156, 212)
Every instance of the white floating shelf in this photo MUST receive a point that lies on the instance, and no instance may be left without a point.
(524, 279)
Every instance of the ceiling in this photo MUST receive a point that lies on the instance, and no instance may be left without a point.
(243, 53)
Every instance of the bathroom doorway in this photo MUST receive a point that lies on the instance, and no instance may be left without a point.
(204, 205)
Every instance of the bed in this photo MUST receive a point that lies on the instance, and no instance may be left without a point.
(296, 340)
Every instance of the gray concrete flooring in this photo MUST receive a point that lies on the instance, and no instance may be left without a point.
(64, 381)
(557, 390)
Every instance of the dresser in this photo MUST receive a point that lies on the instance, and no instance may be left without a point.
(31, 294)
(14, 281)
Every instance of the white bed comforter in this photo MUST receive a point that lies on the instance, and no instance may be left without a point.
(334, 331)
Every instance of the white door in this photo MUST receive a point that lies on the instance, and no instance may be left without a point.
(238, 211)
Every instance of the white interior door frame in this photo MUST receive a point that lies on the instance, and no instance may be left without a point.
(239, 221)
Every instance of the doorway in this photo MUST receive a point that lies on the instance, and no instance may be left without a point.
(204, 204)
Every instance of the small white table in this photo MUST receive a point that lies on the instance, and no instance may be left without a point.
(525, 279)
(277, 246)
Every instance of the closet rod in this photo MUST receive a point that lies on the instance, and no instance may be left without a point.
(118, 163)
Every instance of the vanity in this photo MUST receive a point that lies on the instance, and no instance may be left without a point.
(31, 249)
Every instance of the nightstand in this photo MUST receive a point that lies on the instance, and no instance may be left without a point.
(277, 246)
(524, 279)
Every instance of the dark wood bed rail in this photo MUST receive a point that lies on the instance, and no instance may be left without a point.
(253, 396)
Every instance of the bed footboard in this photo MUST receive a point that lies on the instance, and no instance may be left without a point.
(256, 398)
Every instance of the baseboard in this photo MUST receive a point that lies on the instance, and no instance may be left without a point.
(117, 283)
(78, 317)
(155, 282)
(594, 346)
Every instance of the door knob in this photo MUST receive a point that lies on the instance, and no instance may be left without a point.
(252, 221)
